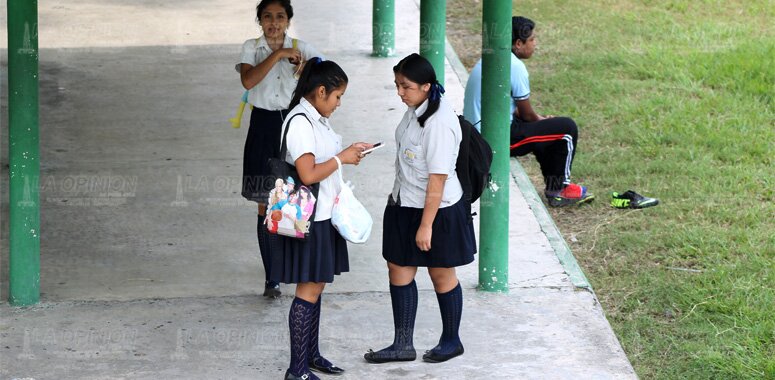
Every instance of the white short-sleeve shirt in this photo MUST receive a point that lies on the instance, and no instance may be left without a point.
(422, 151)
(472, 102)
(274, 92)
(314, 135)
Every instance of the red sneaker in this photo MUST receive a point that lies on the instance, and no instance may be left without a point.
(572, 194)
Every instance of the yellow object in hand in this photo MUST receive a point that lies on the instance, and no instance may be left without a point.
(236, 121)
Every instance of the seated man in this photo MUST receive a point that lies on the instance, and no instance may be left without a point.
(551, 139)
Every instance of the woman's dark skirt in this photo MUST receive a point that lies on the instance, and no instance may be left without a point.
(263, 142)
(317, 259)
(452, 243)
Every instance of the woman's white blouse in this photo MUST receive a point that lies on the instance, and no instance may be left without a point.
(319, 139)
(422, 151)
(274, 92)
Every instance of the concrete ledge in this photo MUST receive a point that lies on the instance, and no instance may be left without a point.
(558, 243)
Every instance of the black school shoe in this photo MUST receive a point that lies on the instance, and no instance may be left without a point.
(272, 290)
(306, 376)
(435, 357)
(386, 356)
(317, 365)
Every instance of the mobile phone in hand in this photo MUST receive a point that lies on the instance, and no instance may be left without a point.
(373, 147)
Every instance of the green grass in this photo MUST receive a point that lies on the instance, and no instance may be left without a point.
(674, 99)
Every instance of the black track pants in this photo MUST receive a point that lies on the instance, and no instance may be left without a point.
(553, 141)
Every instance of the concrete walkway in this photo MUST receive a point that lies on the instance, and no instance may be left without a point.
(149, 264)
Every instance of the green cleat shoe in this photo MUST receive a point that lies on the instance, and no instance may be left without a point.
(631, 199)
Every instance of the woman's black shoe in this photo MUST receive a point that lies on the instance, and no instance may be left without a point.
(389, 355)
(320, 365)
(306, 376)
(272, 290)
(435, 357)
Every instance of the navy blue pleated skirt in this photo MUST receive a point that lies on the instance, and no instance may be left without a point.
(317, 259)
(262, 142)
(453, 242)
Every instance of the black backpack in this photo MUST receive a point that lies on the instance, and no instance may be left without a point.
(473, 161)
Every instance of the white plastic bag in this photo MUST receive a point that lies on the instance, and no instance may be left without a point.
(349, 217)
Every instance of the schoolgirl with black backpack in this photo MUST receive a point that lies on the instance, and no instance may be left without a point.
(427, 221)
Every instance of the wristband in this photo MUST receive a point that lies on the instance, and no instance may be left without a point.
(338, 162)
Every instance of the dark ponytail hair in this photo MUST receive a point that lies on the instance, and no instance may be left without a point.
(316, 73)
(283, 3)
(418, 70)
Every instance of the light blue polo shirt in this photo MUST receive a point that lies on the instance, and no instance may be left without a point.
(472, 103)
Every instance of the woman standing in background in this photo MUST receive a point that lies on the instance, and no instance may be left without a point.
(267, 67)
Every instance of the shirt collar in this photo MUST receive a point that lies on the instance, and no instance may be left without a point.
(261, 42)
(421, 108)
(514, 59)
(312, 112)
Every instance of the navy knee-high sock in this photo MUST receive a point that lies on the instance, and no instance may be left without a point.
(314, 348)
(404, 302)
(263, 246)
(451, 307)
(300, 326)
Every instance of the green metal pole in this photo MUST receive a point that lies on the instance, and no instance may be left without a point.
(383, 28)
(494, 223)
(23, 156)
(433, 31)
